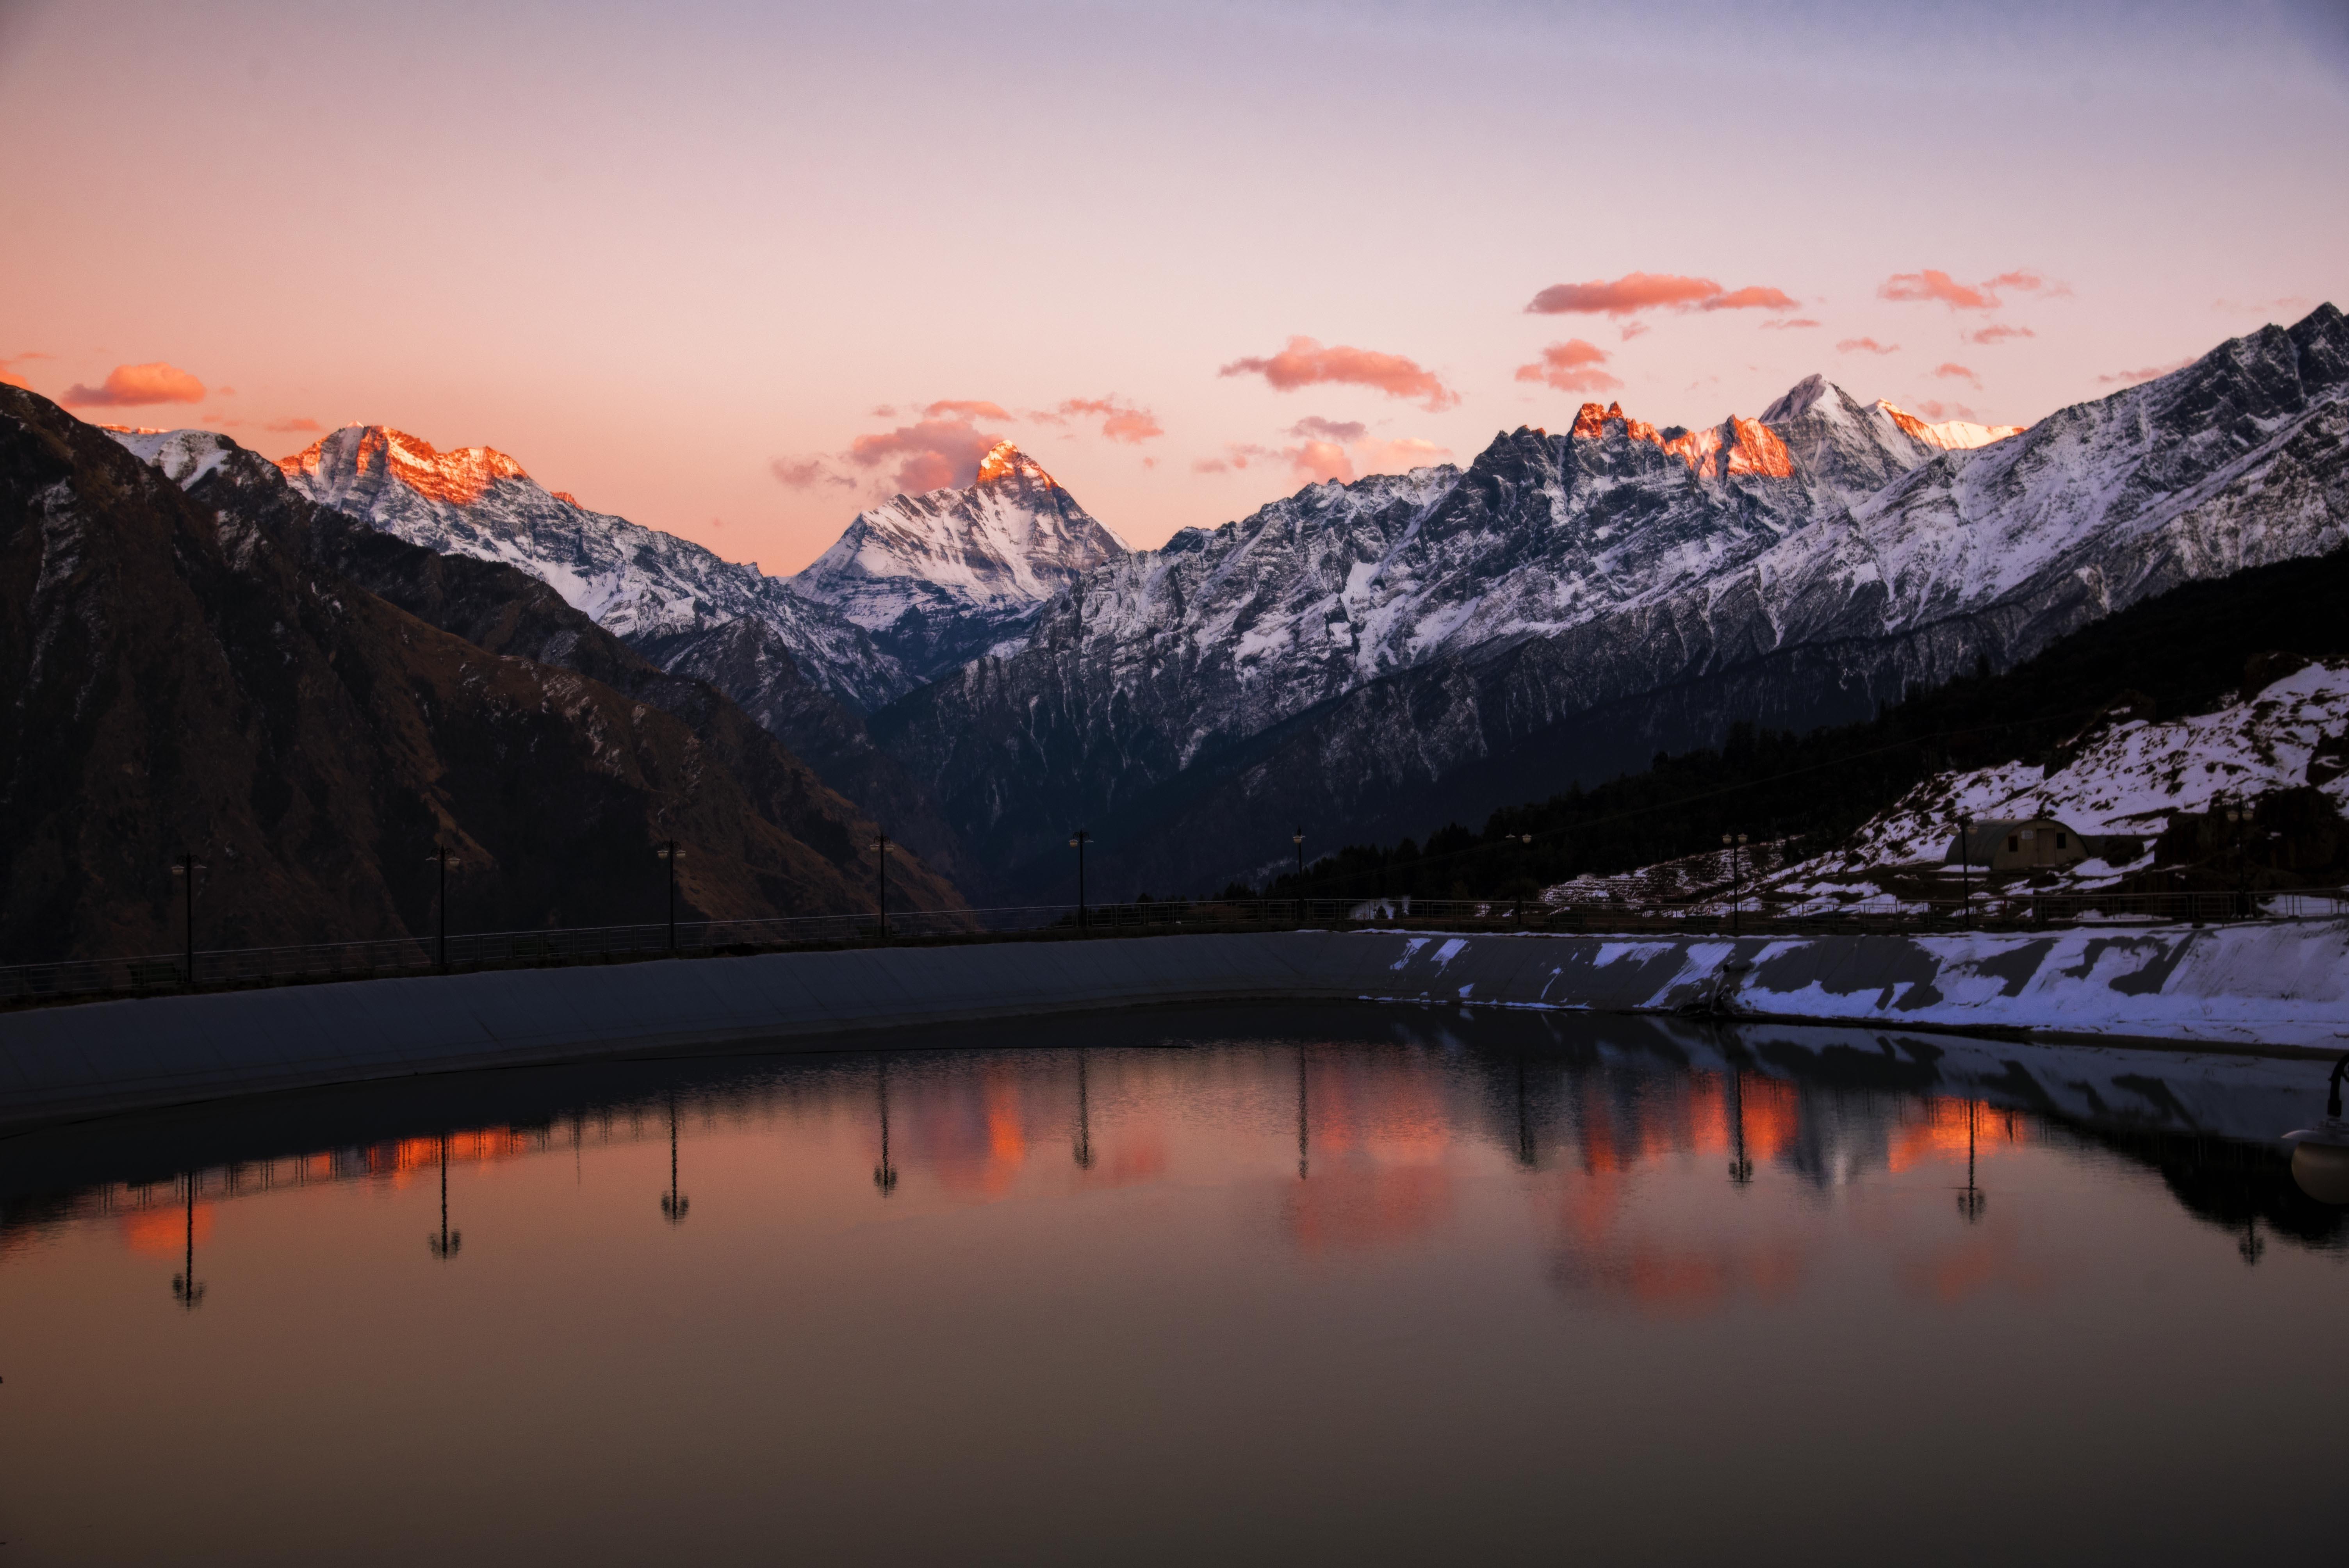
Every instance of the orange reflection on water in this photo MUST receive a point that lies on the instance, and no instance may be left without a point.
(163, 1231)
(1359, 1207)
(1938, 1131)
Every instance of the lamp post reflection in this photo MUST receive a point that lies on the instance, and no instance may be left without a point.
(1303, 1144)
(673, 1203)
(445, 1245)
(1973, 1199)
(1084, 1149)
(1741, 1169)
(885, 1175)
(1525, 1122)
(186, 1289)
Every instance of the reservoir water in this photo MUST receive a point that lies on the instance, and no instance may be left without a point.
(1286, 1286)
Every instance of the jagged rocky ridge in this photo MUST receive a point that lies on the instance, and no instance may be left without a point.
(1370, 659)
(941, 578)
(635, 582)
(202, 669)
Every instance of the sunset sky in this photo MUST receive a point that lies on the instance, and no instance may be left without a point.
(736, 270)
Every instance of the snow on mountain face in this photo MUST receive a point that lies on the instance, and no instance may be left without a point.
(941, 578)
(635, 582)
(2130, 779)
(1446, 616)
(1950, 434)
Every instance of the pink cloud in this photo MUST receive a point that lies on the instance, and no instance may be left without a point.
(1120, 422)
(1635, 291)
(805, 473)
(1305, 362)
(1931, 284)
(1999, 333)
(1345, 432)
(1320, 462)
(1398, 456)
(10, 376)
(292, 427)
(930, 454)
(1933, 408)
(134, 386)
(1754, 298)
(1948, 371)
(1632, 329)
(2026, 282)
(1852, 345)
(957, 409)
(1789, 322)
(1210, 466)
(2150, 373)
(1570, 367)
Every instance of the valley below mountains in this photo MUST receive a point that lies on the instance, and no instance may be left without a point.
(982, 670)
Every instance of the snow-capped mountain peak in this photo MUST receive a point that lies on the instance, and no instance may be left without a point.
(635, 582)
(1006, 463)
(941, 578)
(1950, 434)
(361, 457)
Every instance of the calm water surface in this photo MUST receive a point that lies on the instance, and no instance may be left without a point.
(1309, 1285)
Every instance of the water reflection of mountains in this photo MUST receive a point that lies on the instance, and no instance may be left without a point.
(1593, 1099)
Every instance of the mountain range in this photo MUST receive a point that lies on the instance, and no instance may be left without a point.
(986, 668)
(201, 660)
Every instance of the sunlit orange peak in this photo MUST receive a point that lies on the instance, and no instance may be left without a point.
(1733, 446)
(1004, 462)
(458, 476)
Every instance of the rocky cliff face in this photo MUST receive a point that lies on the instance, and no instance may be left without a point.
(201, 669)
(633, 581)
(1370, 659)
(940, 579)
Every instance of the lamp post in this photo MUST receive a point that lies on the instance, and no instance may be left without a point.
(440, 855)
(1966, 867)
(673, 1203)
(672, 852)
(1298, 838)
(1076, 842)
(2237, 815)
(186, 1289)
(881, 880)
(185, 868)
(1526, 840)
(444, 1245)
(1735, 842)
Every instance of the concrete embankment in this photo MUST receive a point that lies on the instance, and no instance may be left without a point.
(2280, 985)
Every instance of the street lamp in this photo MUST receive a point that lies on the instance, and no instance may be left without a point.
(1966, 866)
(881, 880)
(1298, 838)
(1526, 840)
(185, 868)
(672, 852)
(2237, 815)
(444, 1245)
(1076, 842)
(1735, 842)
(440, 854)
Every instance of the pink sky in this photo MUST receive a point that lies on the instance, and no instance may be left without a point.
(678, 259)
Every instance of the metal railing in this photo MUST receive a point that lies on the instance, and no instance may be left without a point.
(89, 978)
